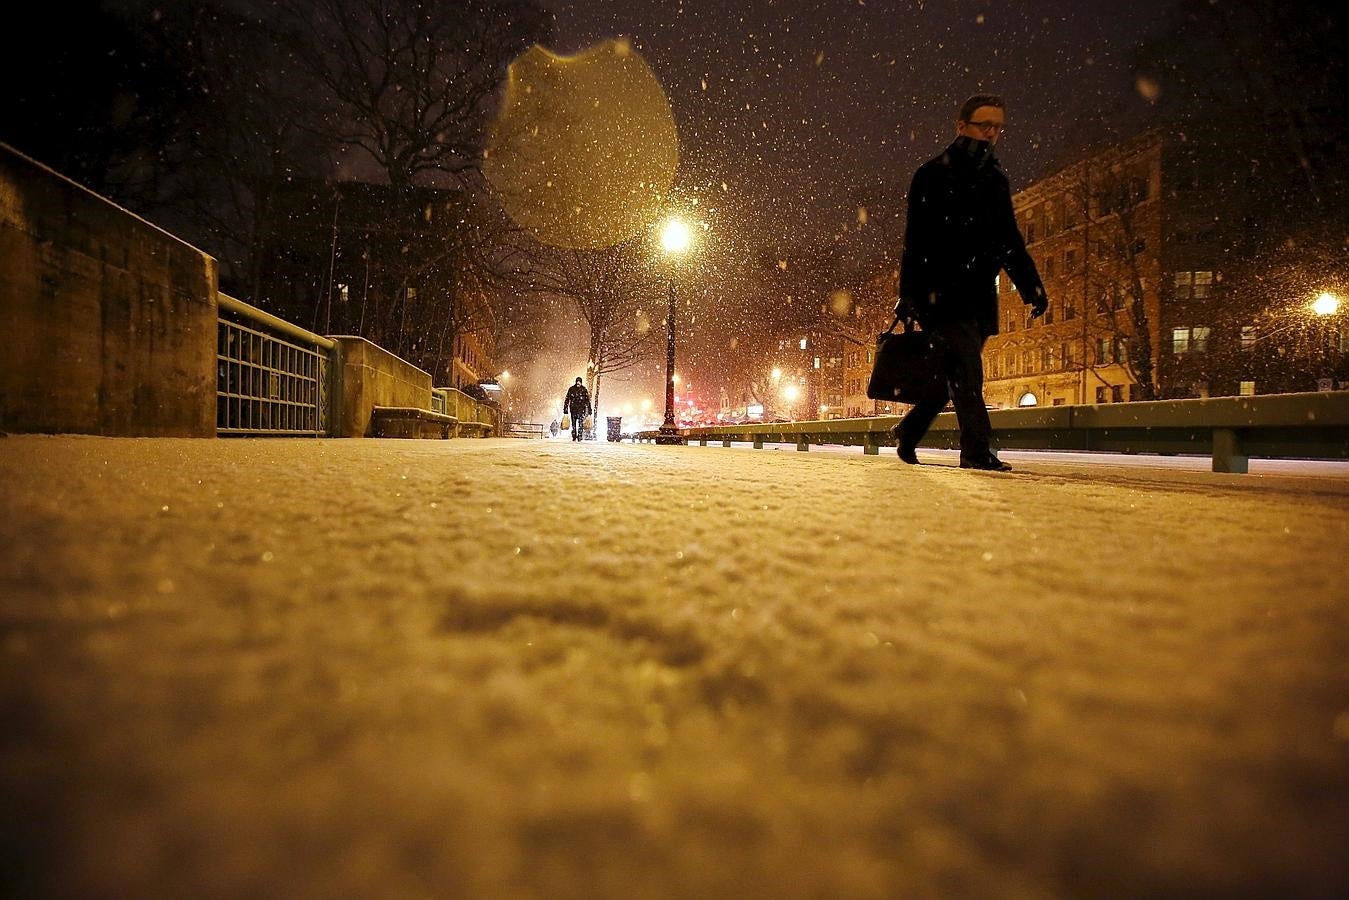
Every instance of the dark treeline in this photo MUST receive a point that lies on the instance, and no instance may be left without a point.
(241, 126)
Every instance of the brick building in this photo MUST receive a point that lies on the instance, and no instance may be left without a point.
(1145, 252)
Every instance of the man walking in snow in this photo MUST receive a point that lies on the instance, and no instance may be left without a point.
(960, 233)
(577, 405)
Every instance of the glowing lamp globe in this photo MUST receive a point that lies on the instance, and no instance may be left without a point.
(674, 237)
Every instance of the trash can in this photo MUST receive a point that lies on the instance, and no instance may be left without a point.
(615, 427)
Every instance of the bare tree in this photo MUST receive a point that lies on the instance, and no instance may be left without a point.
(411, 82)
(1118, 282)
(616, 291)
(410, 85)
(253, 134)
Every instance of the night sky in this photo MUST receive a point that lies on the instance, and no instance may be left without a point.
(807, 111)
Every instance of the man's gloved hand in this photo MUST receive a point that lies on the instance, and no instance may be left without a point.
(1038, 304)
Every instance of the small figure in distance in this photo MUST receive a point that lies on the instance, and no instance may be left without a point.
(577, 405)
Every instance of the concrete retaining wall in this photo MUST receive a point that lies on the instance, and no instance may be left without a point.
(466, 409)
(372, 376)
(108, 322)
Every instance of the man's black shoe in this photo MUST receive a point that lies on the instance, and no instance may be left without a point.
(989, 463)
(906, 452)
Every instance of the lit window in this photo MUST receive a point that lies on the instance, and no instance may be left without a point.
(343, 292)
(1247, 337)
(1180, 341)
(1100, 395)
(1193, 284)
(1202, 282)
(803, 343)
(1184, 281)
(1246, 389)
(1199, 339)
(1103, 347)
(411, 293)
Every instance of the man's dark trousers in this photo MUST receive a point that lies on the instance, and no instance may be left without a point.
(962, 348)
(577, 427)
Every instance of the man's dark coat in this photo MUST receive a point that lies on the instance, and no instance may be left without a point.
(961, 230)
(577, 403)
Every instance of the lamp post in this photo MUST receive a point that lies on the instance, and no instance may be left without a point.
(675, 238)
(1324, 306)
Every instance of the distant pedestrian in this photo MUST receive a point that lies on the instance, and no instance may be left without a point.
(960, 233)
(554, 428)
(577, 405)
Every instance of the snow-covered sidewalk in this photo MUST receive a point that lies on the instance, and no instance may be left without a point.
(363, 668)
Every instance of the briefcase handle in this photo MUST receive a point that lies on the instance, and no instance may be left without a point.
(908, 324)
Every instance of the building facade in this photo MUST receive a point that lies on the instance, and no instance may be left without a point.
(1144, 249)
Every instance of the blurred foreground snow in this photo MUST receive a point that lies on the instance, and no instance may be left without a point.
(488, 668)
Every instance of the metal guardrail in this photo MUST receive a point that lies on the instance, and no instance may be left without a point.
(272, 377)
(1229, 429)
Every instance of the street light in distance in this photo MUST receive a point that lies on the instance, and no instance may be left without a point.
(675, 237)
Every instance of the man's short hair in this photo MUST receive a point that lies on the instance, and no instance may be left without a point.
(969, 106)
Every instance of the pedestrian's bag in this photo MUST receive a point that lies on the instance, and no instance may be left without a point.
(908, 367)
(566, 422)
(589, 423)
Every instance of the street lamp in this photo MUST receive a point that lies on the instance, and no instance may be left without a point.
(790, 393)
(1325, 306)
(675, 238)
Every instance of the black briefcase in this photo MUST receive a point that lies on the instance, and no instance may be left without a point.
(908, 367)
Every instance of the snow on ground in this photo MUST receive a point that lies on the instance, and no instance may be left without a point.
(303, 668)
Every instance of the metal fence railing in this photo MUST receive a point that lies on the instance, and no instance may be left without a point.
(272, 377)
(440, 401)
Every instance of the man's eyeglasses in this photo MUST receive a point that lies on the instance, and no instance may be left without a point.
(989, 126)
